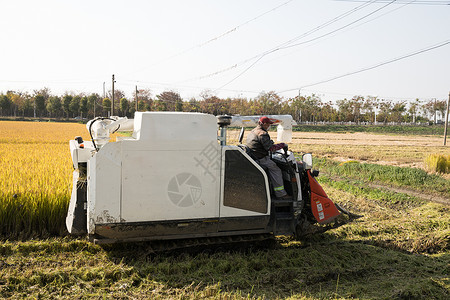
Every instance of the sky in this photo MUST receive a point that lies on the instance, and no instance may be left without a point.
(336, 49)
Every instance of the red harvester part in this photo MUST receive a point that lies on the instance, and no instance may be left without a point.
(322, 207)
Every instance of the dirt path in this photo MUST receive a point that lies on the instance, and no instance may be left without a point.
(361, 138)
(383, 149)
(426, 197)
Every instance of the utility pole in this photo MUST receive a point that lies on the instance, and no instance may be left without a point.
(104, 93)
(446, 120)
(137, 98)
(112, 103)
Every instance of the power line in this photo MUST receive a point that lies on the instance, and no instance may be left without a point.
(402, 2)
(334, 20)
(235, 28)
(340, 28)
(214, 73)
(360, 24)
(311, 40)
(214, 38)
(239, 74)
(260, 55)
(373, 67)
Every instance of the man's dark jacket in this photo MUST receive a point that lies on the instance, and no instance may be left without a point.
(258, 140)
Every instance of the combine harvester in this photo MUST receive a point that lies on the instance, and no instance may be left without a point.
(176, 178)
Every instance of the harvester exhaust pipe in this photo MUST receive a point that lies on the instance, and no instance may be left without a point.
(223, 122)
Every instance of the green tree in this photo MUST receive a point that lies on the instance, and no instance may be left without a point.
(39, 101)
(385, 111)
(28, 105)
(413, 109)
(145, 100)
(397, 111)
(441, 107)
(67, 99)
(93, 106)
(160, 105)
(345, 110)
(369, 106)
(84, 106)
(45, 92)
(306, 109)
(54, 106)
(124, 106)
(178, 105)
(18, 102)
(193, 105)
(5, 105)
(74, 106)
(328, 113)
(106, 103)
(168, 100)
(141, 105)
(118, 94)
(211, 103)
(270, 103)
(433, 106)
(356, 106)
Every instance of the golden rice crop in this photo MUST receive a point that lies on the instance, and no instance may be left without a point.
(438, 163)
(40, 132)
(36, 176)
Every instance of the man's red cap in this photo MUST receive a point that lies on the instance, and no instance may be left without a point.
(265, 120)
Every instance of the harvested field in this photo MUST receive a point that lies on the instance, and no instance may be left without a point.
(388, 149)
(373, 148)
(360, 138)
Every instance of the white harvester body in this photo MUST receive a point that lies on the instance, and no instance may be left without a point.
(174, 177)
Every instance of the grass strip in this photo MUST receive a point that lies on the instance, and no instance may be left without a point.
(359, 188)
(413, 178)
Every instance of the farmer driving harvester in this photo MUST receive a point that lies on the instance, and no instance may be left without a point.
(260, 143)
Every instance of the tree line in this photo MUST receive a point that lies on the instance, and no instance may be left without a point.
(358, 109)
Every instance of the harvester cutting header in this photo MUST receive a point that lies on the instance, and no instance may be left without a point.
(175, 177)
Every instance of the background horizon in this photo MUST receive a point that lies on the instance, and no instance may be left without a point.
(397, 50)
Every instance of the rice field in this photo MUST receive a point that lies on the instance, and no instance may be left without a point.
(35, 182)
(438, 163)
